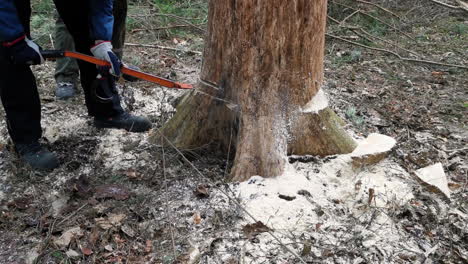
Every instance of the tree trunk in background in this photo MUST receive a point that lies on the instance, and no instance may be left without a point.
(263, 64)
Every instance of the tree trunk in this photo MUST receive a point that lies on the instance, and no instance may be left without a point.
(263, 65)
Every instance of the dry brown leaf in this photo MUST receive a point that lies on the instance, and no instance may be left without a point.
(197, 218)
(114, 220)
(86, 251)
(149, 246)
(371, 196)
(94, 236)
(251, 230)
(454, 186)
(202, 191)
(131, 174)
(65, 239)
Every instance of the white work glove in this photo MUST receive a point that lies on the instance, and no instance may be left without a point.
(103, 50)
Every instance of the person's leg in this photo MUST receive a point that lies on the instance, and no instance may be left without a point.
(20, 99)
(66, 69)
(107, 114)
(75, 16)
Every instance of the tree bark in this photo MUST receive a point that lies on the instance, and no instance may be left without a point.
(263, 64)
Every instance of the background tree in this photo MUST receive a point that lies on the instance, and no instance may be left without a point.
(259, 87)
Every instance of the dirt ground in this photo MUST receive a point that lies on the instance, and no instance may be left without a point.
(116, 198)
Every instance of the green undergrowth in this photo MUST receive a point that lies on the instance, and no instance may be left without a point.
(167, 19)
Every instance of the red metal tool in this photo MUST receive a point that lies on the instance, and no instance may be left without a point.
(54, 54)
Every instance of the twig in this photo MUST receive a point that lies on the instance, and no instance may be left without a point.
(447, 5)
(334, 20)
(52, 41)
(162, 47)
(396, 54)
(159, 28)
(72, 214)
(183, 19)
(348, 17)
(379, 7)
(387, 41)
(233, 200)
(375, 18)
(171, 219)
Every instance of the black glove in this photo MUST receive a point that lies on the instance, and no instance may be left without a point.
(24, 51)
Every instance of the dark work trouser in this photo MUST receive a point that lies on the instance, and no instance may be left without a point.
(18, 90)
(66, 69)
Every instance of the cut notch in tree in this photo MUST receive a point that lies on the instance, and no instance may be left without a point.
(266, 58)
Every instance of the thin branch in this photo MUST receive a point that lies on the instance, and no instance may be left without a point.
(171, 218)
(348, 17)
(162, 47)
(185, 20)
(396, 54)
(449, 6)
(160, 28)
(379, 7)
(375, 18)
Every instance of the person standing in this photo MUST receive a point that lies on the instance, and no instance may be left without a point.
(90, 22)
(66, 69)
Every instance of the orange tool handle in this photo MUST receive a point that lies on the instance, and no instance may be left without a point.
(53, 54)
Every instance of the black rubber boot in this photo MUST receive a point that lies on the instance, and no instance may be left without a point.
(125, 121)
(37, 156)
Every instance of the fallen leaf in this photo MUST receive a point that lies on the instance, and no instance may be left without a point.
(251, 230)
(454, 186)
(108, 248)
(20, 203)
(437, 74)
(317, 226)
(128, 230)
(72, 254)
(86, 251)
(94, 236)
(118, 240)
(197, 218)
(114, 220)
(149, 246)
(65, 239)
(371, 196)
(202, 191)
(114, 191)
(131, 174)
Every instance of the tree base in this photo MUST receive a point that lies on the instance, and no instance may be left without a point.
(203, 120)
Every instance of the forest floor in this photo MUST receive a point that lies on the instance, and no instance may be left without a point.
(117, 198)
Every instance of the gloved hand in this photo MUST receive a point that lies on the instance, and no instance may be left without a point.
(103, 50)
(24, 51)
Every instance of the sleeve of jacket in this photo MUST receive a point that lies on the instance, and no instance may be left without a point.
(102, 20)
(10, 25)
